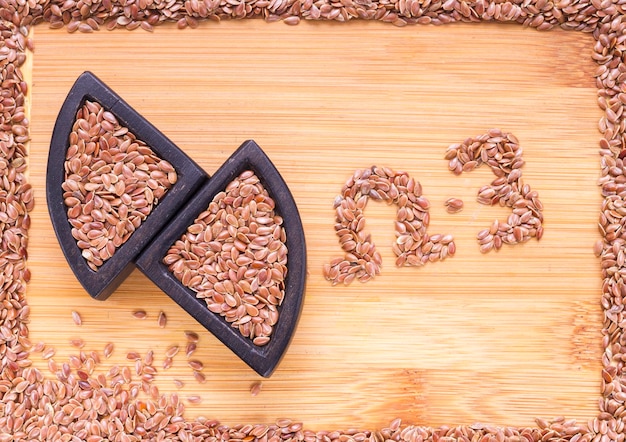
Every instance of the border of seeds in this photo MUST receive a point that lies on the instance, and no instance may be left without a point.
(605, 20)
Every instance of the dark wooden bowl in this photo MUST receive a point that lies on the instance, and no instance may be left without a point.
(101, 283)
(262, 359)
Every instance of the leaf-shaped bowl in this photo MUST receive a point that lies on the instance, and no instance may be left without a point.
(263, 359)
(102, 282)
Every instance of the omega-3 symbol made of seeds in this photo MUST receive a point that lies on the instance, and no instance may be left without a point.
(413, 245)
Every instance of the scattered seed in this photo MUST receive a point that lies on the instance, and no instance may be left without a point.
(192, 336)
(48, 353)
(140, 314)
(597, 248)
(167, 363)
(194, 399)
(255, 388)
(195, 365)
(190, 349)
(79, 343)
(76, 318)
(172, 351)
(199, 377)
(148, 360)
(108, 350)
(162, 320)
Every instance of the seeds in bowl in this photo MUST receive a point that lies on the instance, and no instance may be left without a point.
(234, 257)
(112, 183)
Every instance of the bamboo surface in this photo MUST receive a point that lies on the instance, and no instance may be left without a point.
(499, 338)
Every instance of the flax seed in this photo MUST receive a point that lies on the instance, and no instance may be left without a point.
(77, 318)
(255, 388)
(162, 319)
(139, 314)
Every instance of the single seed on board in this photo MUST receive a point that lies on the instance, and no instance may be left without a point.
(167, 363)
(140, 314)
(79, 343)
(48, 353)
(76, 318)
(162, 320)
(597, 247)
(190, 349)
(255, 388)
(194, 399)
(149, 359)
(108, 349)
(192, 336)
(195, 365)
(172, 351)
(199, 377)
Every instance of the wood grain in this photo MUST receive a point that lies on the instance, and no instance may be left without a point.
(499, 338)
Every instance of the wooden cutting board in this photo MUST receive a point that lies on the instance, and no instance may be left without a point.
(499, 338)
